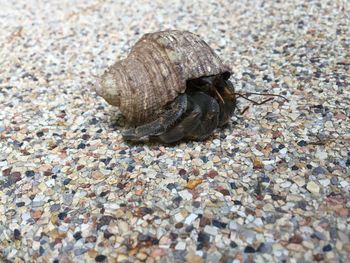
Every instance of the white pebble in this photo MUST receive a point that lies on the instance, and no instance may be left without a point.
(344, 184)
(186, 195)
(211, 230)
(322, 155)
(313, 187)
(179, 217)
(286, 184)
(180, 246)
(190, 219)
(325, 182)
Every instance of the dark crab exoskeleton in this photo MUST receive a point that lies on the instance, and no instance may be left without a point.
(207, 103)
(172, 86)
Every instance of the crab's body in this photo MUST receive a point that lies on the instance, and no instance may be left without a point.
(166, 77)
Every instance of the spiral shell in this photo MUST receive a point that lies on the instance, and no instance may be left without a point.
(155, 73)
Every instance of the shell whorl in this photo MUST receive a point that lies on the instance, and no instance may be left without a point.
(155, 72)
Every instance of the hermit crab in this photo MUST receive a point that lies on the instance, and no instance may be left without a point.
(172, 86)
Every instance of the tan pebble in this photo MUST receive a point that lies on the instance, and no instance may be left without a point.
(119, 239)
(97, 175)
(259, 229)
(141, 256)
(342, 211)
(275, 105)
(112, 181)
(133, 251)
(330, 255)
(216, 159)
(36, 214)
(42, 186)
(123, 227)
(240, 191)
(239, 256)
(165, 241)
(158, 252)
(257, 164)
(347, 247)
(299, 211)
(92, 253)
(118, 213)
(186, 156)
(313, 187)
(193, 183)
(268, 207)
(339, 245)
(45, 167)
(258, 213)
(139, 192)
(122, 257)
(162, 149)
(295, 247)
(300, 181)
(308, 244)
(193, 258)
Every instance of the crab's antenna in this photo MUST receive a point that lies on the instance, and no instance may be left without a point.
(253, 101)
(245, 96)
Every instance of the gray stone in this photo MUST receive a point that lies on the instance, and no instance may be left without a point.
(334, 180)
(80, 251)
(319, 235)
(55, 207)
(319, 170)
(38, 203)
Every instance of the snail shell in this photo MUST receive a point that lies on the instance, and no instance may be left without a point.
(155, 73)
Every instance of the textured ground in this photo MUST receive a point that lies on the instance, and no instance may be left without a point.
(272, 187)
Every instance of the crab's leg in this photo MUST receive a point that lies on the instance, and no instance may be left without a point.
(219, 88)
(190, 121)
(209, 116)
(160, 125)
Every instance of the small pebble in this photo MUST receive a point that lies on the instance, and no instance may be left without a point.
(233, 244)
(218, 224)
(180, 246)
(30, 173)
(313, 187)
(216, 159)
(100, 258)
(191, 184)
(211, 230)
(189, 219)
(249, 249)
(334, 180)
(319, 170)
(62, 215)
(17, 234)
(77, 235)
(327, 248)
(302, 143)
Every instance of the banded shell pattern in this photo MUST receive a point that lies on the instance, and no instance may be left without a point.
(155, 73)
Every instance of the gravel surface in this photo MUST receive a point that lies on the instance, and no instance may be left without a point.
(273, 186)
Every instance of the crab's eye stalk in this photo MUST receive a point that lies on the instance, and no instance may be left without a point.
(107, 88)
